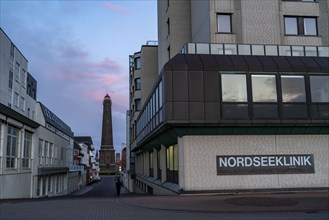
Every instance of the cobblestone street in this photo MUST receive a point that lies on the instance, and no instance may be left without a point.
(98, 201)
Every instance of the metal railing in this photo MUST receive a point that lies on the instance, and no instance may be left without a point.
(255, 50)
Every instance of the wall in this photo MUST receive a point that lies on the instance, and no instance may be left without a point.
(198, 169)
(15, 186)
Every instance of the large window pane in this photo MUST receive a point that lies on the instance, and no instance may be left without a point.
(264, 88)
(234, 88)
(224, 23)
(310, 26)
(293, 89)
(319, 88)
(290, 26)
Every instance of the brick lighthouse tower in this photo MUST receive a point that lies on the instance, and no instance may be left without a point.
(106, 153)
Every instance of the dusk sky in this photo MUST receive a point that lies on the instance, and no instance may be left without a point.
(78, 51)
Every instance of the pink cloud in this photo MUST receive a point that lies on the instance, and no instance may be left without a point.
(106, 64)
(113, 7)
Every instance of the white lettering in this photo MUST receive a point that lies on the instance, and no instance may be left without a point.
(248, 162)
(240, 162)
(264, 161)
(271, 161)
(306, 160)
(223, 162)
(230, 163)
(256, 161)
(278, 161)
(296, 161)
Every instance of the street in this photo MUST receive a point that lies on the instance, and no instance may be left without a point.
(99, 201)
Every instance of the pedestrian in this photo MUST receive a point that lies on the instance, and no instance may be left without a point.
(118, 184)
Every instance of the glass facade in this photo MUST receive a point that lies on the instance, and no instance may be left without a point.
(293, 88)
(264, 88)
(234, 87)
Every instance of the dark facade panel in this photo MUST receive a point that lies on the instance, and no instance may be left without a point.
(297, 65)
(311, 65)
(239, 63)
(194, 62)
(167, 85)
(178, 62)
(180, 111)
(196, 110)
(211, 86)
(196, 86)
(180, 86)
(268, 64)
(323, 62)
(224, 63)
(253, 63)
(282, 64)
(209, 62)
(212, 111)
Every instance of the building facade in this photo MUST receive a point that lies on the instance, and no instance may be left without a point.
(36, 146)
(241, 99)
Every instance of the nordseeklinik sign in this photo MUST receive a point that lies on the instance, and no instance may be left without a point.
(265, 164)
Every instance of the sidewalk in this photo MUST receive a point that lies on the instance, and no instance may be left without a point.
(247, 202)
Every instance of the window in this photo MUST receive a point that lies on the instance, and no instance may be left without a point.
(293, 89)
(151, 164)
(224, 24)
(11, 78)
(22, 104)
(264, 88)
(27, 149)
(306, 26)
(12, 145)
(45, 151)
(137, 83)
(319, 88)
(12, 50)
(137, 104)
(16, 99)
(17, 72)
(234, 88)
(137, 63)
(23, 74)
(172, 163)
(51, 152)
(40, 150)
(159, 165)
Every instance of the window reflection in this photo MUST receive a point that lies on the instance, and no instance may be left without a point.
(320, 88)
(234, 88)
(293, 89)
(263, 88)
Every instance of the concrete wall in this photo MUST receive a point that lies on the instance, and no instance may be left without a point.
(198, 169)
(200, 16)
(15, 185)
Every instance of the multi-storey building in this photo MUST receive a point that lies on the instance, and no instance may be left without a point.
(241, 99)
(36, 147)
(142, 75)
(17, 122)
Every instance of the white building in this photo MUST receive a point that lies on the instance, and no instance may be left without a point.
(17, 125)
(36, 147)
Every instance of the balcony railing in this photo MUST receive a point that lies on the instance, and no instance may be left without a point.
(255, 50)
(73, 168)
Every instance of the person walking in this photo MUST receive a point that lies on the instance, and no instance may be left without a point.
(118, 184)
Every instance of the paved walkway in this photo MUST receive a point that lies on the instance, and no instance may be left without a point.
(247, 202)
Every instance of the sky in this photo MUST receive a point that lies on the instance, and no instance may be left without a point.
(78, 52)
